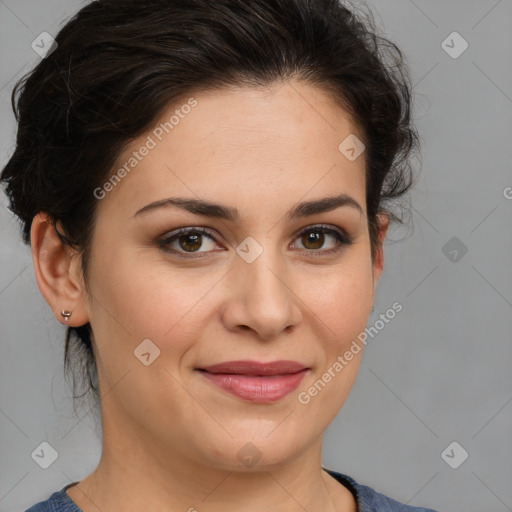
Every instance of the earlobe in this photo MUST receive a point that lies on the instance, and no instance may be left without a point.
(56, 271)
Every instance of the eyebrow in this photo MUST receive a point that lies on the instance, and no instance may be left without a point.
(208, 209)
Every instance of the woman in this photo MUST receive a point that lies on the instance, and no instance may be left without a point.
(204, 186)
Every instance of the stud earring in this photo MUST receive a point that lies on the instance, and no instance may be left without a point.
(65, 314)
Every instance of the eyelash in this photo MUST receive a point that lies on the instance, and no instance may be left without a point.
(342, 240)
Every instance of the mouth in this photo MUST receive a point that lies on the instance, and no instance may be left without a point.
(254, 381)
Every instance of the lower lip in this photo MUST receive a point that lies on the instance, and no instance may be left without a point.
(257, 389)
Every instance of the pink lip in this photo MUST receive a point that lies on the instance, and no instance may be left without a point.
(254, 381)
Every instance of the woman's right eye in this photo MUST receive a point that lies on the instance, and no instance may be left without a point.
(187, 241)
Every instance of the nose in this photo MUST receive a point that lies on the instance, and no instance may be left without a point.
(262, 297)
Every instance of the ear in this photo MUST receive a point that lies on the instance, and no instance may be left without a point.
(378, 259)
(57, 272)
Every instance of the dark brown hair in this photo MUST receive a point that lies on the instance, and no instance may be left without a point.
(120, 63)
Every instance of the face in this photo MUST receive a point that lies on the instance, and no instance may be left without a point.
(263, 282)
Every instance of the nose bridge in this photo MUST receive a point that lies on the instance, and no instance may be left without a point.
(261, 261)
(265, 276)
(265, 297)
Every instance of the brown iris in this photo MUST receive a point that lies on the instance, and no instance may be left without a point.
(314, 237)
(194, 245)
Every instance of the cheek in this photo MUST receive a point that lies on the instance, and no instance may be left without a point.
(138, 298)
(342, 300)
(341, 306)
(349, 308)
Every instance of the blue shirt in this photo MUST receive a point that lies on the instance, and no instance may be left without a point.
(367, 499)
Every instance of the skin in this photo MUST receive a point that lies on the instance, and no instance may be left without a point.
(171, 438)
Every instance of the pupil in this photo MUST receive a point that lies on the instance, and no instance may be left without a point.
(315, 238)
(196, 244)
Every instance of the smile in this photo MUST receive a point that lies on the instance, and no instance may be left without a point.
(256, 382)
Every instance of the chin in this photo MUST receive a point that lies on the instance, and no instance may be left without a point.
(254, 453)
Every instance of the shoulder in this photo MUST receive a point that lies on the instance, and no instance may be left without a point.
(370, 500)
(59, 501)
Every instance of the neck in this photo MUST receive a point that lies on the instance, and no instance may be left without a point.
(134, 474)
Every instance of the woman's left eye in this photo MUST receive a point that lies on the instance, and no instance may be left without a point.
(315, 237)
(187, 241)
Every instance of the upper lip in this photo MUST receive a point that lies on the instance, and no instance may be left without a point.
(247, 367)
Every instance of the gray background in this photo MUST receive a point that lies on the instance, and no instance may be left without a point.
(439, 372)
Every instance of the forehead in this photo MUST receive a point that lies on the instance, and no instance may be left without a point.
(243, 145)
